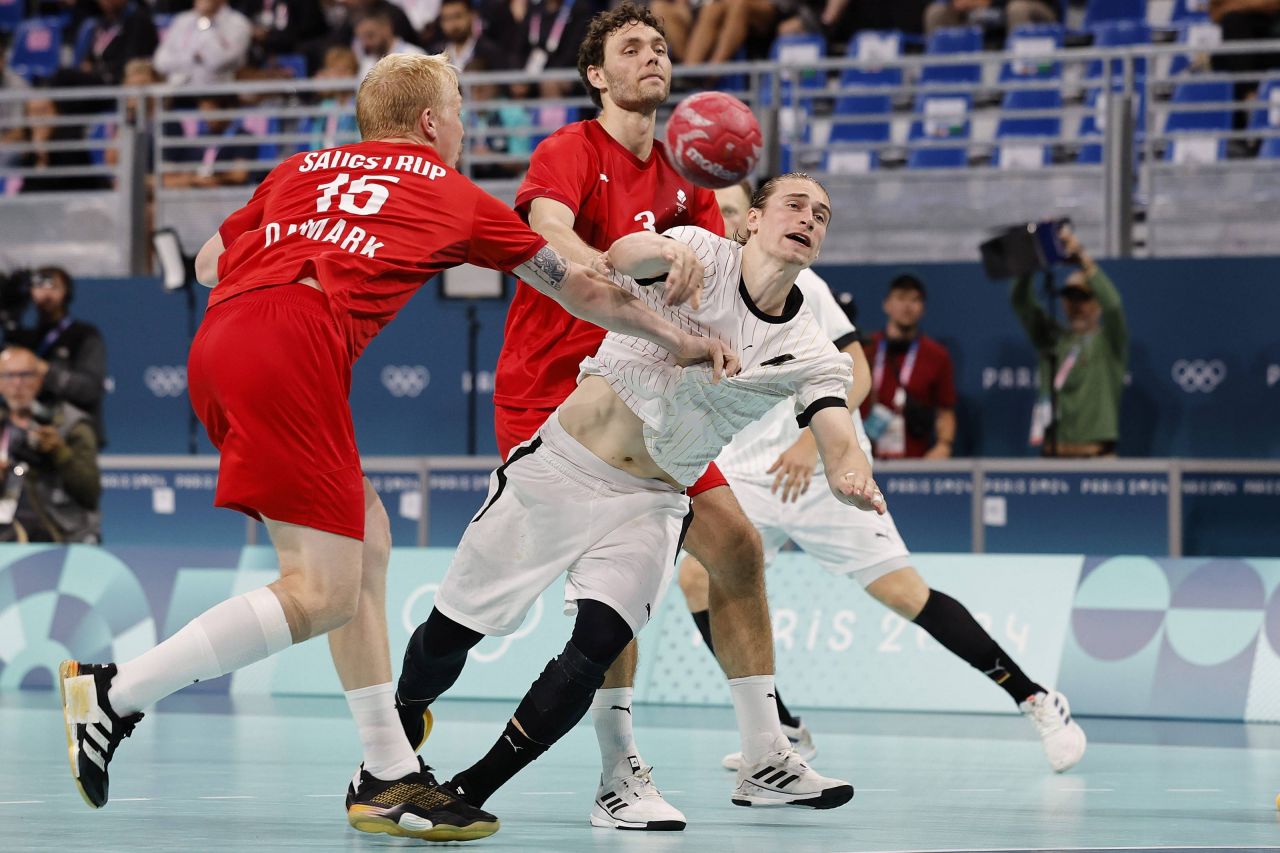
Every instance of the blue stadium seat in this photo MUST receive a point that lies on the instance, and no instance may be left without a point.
(11, 14)
(870, 45)
(1092, 125)
(36, 43)
(953, 40)
(1189, 11)
(1119, 34)
(854, 161)
(940, 119)
(296, 63)
(1202, 35)
(1039, 127)
(1106, 11)
(1198, 126)
(1032, 39)
(1268, 118)
(797, 51)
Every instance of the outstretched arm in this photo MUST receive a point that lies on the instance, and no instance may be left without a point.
(847, 469)
(590, 296)
(646, 255)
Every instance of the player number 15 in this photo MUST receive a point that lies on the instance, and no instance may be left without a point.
(377, 194)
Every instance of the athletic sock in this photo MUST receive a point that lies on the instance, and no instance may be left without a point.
(512, 752)
(702, 618)
(952, 625)
(226, 637)
(611, 716)
(753, 704)
(387, 755)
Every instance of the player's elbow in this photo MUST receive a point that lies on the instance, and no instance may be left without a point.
(207, 262)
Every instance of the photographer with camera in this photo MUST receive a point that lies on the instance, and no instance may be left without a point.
(71, 358)
(1084, 357)
(911, 410)
(49, 455)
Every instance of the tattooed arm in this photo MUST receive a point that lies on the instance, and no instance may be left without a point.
(592, 297)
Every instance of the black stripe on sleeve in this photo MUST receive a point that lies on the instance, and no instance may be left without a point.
(817, 406)
(846, 339)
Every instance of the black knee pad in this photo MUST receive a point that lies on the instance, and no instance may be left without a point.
(599, 632)
(561, 695)
(434, 658)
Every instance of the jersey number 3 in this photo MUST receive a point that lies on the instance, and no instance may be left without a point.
(368, 185)
(645, 218)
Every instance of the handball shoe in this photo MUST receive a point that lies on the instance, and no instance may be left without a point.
(414, 806)
(630, 800)
(94, 729)
(783, 779)
(801, 741)
(1062, 738)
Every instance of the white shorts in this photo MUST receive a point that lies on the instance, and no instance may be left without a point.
(555, 507)
(844, 540)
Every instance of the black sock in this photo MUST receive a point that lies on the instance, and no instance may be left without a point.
(512, 752)
(951, 624)
(702, 618)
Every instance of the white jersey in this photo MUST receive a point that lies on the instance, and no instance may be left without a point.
(757, 447)
(687, 419)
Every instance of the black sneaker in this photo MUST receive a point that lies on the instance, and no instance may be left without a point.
(416, 719)
(94, 729)
(415, 806)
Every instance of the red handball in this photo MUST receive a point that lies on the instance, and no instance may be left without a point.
(714, 139)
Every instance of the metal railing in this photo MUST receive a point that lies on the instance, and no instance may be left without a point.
(1114, 146)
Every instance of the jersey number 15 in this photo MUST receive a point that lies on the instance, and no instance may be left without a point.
(347, 203)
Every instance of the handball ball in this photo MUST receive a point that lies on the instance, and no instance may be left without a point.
(714, 139)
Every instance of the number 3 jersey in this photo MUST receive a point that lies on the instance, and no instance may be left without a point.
(371, 222)
(611, 193)
(687, 419)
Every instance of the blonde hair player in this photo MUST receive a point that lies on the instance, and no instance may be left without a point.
(770, 465)
(330, 247)
(620, 451)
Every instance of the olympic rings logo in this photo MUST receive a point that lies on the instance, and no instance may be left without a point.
(410, 621)
(166, 380)
(405, 380)
(1199, 375)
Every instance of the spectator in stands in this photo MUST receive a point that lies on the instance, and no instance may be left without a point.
(48, 461)
(461, 39)
(556, 28)
(677, 19)
(338, 125)
(1246, 20)
(205, 45)
(722, 27)
(506, 22)
(375, 38)
(1089, 356)
(911, 410)
(209, 163)
(988, 14)
(70, 355)
(10, 111)
(281, 27)
(493, 115)
(40, 114)
(353, 11)
(123, 31)
(842, 18)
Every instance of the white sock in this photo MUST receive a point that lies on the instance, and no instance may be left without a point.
(387, 754)
(226, 637)
(757, 712)
(611, 715)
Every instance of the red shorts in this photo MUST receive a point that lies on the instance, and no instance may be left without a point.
(516, 426)
(269, 375)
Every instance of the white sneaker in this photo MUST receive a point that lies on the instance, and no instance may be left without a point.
(630, 800)
(1062, 738)
(783, 779)
(801, 742)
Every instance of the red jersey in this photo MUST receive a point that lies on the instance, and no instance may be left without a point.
(371, 222)
(612, 193)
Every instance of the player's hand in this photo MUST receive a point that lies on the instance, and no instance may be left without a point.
(45, 439)
(695, 350)
(793, 471)
(858, 489)
(684, 279)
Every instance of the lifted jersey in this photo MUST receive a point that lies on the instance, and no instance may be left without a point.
(371, 222)
(687, 419)
(757, 447)
(612, 193)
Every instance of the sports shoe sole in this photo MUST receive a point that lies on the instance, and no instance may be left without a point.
(651, 826)
(372, 819)
(831, 798)
(71, 669)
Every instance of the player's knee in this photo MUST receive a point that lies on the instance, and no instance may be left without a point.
(329, 602)
(740, 563)
(904, 592)
(376, 553)
(600, 633)
(694, 581)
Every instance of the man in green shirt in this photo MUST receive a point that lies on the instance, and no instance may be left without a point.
(1092, 351)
